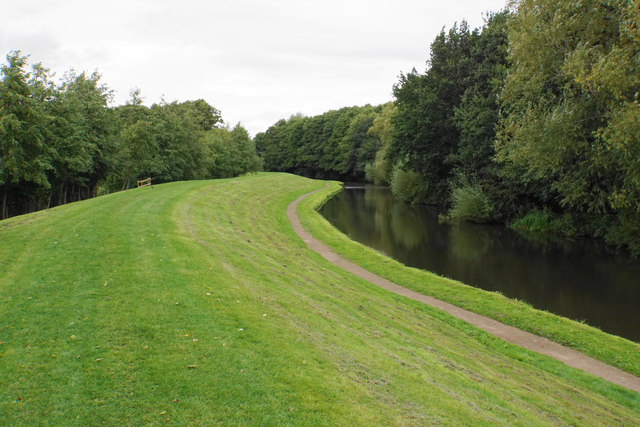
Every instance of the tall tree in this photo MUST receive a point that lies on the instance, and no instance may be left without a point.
(24, 158)
(379, 171)
(335, 144)
(82, 136)
(425, 133)
(361, 146)
(245, 159)
(476, 115)
(570, 107)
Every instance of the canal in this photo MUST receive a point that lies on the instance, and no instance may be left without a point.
(577, 278)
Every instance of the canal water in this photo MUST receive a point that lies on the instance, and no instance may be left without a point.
(577, 278)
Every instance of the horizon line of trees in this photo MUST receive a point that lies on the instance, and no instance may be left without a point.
(532, 120)
(61, 142)
(339, 144)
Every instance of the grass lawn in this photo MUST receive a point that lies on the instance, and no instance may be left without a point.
(195, 303)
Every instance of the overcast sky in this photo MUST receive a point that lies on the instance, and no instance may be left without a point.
(256, 61)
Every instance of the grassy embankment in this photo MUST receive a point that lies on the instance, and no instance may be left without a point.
(616, 351)
(195, 302)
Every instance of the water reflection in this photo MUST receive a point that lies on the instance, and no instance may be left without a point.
(579, 279)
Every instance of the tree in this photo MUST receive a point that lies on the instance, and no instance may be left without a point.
(335, 144)
(570, 106)
(361, 146)
(245, 158)
(425, 135)
(62, 143)
(24, 158)
(82, 136)
(203, 115)
(272, 145)
(477, 114)
(379, 171)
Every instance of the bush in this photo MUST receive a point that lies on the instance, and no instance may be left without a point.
(543, 221)
(370, 173)
(626, 232)
(469, 203)
(407, 185)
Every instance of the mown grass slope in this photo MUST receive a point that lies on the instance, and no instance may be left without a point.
(616, 351)
(196, 303)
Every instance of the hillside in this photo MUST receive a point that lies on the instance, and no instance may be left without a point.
(194, 302)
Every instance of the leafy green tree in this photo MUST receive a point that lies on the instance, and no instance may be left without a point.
(336, 151)
(570, 105)
(82, 136)
(245, 159)
(360, 145)
(139, 151)
(477, 114)
(220, 156)
(425, 135)
(205, 116)
(380, 170)
(230, 152)
(272, 146)
(177, 129)
(136, 151)
(24, 157)
(61, 143)
(335, 144)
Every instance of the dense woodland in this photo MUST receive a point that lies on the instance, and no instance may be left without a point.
(531, 120)
(62, 142)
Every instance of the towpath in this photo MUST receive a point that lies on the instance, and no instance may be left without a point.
(508, 333)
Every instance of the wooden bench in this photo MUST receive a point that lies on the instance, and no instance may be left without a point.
(144, 182)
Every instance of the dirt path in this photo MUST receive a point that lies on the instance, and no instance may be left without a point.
(508, 333)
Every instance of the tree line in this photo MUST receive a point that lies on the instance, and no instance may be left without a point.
(61, 141)
(532, 120)
(337, 144)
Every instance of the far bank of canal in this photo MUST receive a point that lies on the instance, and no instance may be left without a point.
(580, 279)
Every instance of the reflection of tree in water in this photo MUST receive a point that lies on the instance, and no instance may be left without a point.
(469, 243)
(380, 201)
(407, 226)
(545, 242)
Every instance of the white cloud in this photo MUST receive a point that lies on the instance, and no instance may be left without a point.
(256, 61)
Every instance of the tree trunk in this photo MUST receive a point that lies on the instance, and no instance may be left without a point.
(4, 202)
(61, 193)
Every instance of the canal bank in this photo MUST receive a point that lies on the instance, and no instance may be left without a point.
(508, 333)
(611, 349)
(576, 278)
